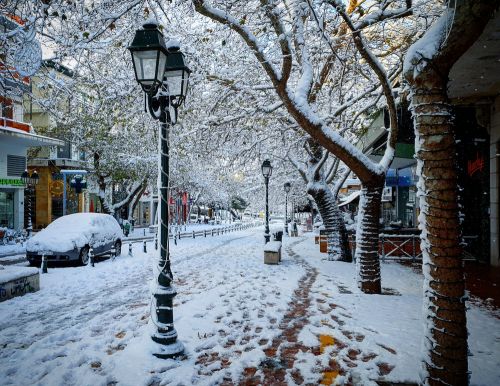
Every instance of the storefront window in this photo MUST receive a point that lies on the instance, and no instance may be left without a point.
(6, 209)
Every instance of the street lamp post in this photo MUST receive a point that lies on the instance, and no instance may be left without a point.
(287, 188)
(30, 181)
(267, 170)
(161, 72)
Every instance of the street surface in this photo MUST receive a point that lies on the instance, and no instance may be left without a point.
(241, 322)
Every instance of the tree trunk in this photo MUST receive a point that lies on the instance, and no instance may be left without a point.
(344, 236)
(426, 69)
(135, 192)
(367, 238)
(136, 199)
(326, 202)
(332, 220)
(106, 207)
(445, 327)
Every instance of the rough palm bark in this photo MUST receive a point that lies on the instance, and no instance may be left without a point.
(326, 202)
(427, 66)
(344, 236)
(332, 219)
(367, 238)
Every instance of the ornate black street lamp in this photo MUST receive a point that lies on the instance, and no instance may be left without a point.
(287, 188)
(267, 170)
(78, 183)
(30, 181)
(161, 72)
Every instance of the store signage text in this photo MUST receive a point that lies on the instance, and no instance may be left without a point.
(476, 165)
(11, 181)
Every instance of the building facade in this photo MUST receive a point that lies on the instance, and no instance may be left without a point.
(16, 137)
(49, 162)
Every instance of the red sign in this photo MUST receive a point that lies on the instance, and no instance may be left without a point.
(476, 165)
(171, 201)
(184, 198)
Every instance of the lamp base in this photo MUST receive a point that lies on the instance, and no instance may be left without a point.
(171, 351)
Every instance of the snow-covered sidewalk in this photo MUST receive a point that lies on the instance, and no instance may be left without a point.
(240, 321)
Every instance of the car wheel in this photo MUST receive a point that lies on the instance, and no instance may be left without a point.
(118, 248)
(84, 255)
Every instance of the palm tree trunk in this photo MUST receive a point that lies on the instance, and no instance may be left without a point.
(367, 239)
(332, 220)
(445, 327)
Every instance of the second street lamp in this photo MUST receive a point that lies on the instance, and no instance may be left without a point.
(30, 181)
(267, 171)
(287, 188)
(161, 72)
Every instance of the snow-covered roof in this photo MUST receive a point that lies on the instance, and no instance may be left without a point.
(29, 139)
(351, 181)
(350, 198)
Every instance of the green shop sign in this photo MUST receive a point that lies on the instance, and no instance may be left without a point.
(11, 182)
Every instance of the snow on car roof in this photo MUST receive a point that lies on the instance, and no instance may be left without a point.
(74, 231)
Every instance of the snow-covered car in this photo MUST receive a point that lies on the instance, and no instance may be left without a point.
(69, 238)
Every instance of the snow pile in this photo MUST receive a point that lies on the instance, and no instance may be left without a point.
(75, 231)
(10, 273)
(272, 246)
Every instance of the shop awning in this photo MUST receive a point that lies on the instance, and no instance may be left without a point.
(21, 137)
(401, 177)
(350, 198)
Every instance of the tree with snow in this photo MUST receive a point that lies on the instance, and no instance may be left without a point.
(282, 37)
(426, 68)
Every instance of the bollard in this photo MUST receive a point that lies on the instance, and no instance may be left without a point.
(144, 232)
(44, 264)
(130, 249)
(175, 240)
(193, 235)
(212, 232)
(156, 243)
(205, 233)
(91, 256)
(113, 253)
(179, 235)
(144, 246)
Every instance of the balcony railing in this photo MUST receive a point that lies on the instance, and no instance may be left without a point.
(10, 123)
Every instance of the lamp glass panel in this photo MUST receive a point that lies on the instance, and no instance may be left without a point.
(162, 60)
(185, 81)
(174, 82)
(145, 65)
(266, 171)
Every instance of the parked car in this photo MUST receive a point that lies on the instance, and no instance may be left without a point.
(69, 238)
